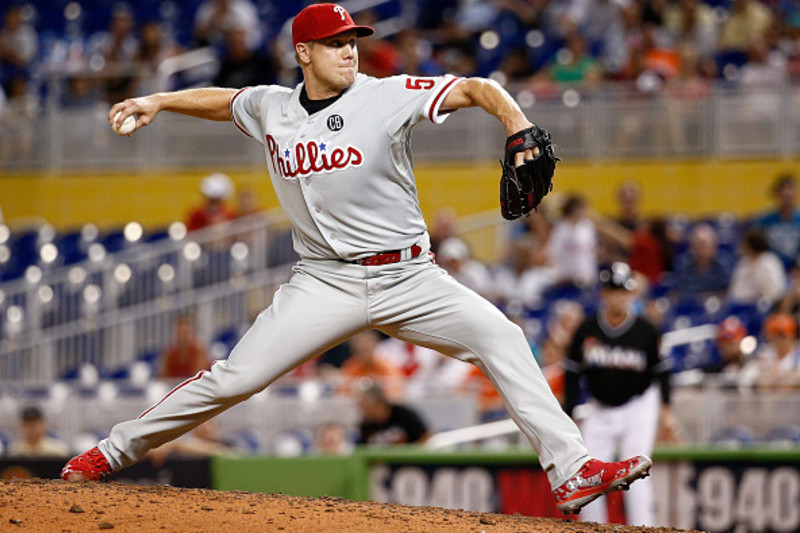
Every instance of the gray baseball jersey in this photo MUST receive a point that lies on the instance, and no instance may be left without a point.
(344, 177)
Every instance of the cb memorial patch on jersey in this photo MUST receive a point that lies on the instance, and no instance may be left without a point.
(311, 157)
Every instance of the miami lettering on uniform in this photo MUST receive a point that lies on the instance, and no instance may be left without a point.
(601, 355)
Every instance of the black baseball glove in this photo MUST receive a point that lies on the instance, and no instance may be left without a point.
(523, 187)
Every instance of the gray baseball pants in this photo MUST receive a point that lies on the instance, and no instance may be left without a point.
(327, 301)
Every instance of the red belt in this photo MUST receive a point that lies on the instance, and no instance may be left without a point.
(386, 258)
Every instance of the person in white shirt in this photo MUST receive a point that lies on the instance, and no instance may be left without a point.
(523, 281)
(573, 245)
(759, 274)
(453, 255)
(779, 360)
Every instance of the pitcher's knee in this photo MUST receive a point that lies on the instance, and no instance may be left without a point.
(501, 330)
(228, 384)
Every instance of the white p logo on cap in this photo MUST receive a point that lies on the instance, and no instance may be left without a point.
(340, 10)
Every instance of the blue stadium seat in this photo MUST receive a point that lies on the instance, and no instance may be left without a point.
(734, 437)
(784, 436)
(114, 241)
(5, 442)
(246, 440)
(71, 247)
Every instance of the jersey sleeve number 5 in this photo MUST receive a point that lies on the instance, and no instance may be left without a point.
(417, 84)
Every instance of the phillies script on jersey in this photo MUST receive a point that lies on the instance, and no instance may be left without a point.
(598, 354)
(311, 157)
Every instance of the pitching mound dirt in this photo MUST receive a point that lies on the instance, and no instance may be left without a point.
(57, 506)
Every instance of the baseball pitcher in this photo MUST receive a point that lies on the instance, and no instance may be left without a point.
(338, 155)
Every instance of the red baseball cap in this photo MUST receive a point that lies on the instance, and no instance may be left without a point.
(731, 329)
(318, 21)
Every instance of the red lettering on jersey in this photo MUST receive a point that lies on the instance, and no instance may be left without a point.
(419, 83)
(311, 157)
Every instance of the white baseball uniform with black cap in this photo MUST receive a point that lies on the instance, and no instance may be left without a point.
(343, 175)
(620, 364)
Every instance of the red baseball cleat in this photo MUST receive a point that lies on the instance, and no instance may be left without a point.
(89, 466)
(596, 478)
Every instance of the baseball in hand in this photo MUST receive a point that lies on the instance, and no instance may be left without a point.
(127, 126)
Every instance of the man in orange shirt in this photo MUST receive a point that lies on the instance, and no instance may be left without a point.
(366, 361)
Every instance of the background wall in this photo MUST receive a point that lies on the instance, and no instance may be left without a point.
(695, 188)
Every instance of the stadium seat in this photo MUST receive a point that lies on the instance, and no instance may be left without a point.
(734, 437)
(246, 440)
(784, 436)
(71, 247)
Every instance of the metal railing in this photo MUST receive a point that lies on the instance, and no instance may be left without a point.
(604, 123)
(114, 309)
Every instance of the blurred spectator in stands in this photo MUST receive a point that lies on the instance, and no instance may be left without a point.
(216, 189)
(521, 282)
(215, 18)
(573, 64)
(425, 370)
(444, 225)
(377, 57)
(458, 60)
(203, 441)
(656, 311)
(154, 47)
(384, 422)
(536, 224)
(34, 440)
(416, 53)
(779, 359)
(454, 257)
(552, 359)
(516, 65)
(118, 48)
(367, 361)
(692, 24)
(746, 22)
(18, 120)
(790, 302)
(82, 92)
(332, 439)
(629, 205)
(565, 319)
(187, 355)
(330, 362)
(247, 203)
(699, 272)
(243, 66)
(733, 367)
(572, 247)
(601, 23)
(652, 60)
(686, 96)
(758, 276)
(782, 224)
(765, 68)
(630, 237)
(490, 403)
(790, 37)
(19, 45)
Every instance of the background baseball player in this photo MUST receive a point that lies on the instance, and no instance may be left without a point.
(617, 352)
(338, 156)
